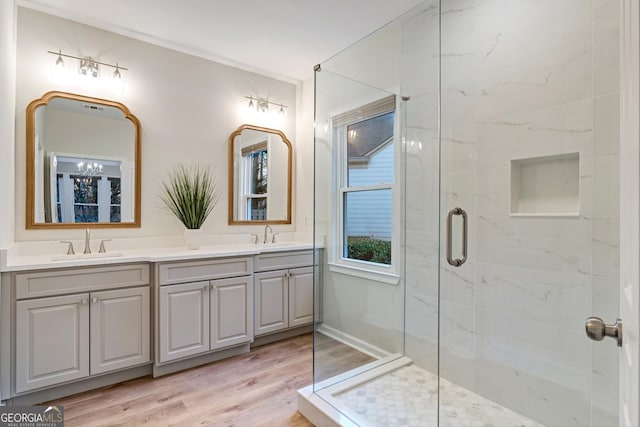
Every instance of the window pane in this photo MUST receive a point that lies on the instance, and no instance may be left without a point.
(259, 172)
(115, 191)
(84, 213)
(85, 190)
(367, 226)
(370, 151)
(258, 208)
(58, 187)
(115, 214)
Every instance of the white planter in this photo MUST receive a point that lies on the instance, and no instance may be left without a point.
(193, 238)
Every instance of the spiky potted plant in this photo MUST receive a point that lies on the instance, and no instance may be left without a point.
(190, 194)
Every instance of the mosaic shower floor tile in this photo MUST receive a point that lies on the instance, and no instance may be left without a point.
(408, 396)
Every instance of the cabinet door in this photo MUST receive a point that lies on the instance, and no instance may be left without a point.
(184, 320)
(119, 329)
(300, 296)
(271, 302)
(231, 311)
(52, 341)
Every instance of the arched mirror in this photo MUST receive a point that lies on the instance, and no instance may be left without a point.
(259, 176)
(83, 163)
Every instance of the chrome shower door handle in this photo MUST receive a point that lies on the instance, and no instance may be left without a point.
(457, 262)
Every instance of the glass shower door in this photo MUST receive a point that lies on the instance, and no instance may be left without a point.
(529, 155)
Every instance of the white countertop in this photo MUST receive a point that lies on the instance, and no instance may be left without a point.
(48, 261)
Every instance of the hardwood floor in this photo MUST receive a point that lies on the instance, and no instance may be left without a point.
(333, 358)
(253, 389)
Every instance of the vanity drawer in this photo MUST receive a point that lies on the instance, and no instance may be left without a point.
(72, 280)
(194, 271)
(282, 260)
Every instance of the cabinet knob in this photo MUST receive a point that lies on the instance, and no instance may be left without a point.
(94, 300)
(84, 301)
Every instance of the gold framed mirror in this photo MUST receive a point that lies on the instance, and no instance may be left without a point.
(83, 163)
(259, 176)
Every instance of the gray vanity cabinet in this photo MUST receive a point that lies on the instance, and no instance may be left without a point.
(52, 341)
(65, 338)
(200, 316)
(300, 296)
(231, 316)
(271, 301)
(59, 338)
(74, 323)
(120, 329)
(184, 320)
(283, 291)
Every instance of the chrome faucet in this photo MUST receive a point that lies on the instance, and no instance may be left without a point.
(265, 232)
(87, 241)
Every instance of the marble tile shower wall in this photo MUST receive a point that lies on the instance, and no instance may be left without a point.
(524, 79)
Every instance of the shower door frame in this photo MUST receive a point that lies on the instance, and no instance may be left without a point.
(629, 377)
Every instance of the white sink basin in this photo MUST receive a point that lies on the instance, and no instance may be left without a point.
(86, 256)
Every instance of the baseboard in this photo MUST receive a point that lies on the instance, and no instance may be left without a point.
(92, 383)
(351, 341)
(277, 336)
(181, 365)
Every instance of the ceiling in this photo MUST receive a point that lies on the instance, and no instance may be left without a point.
(278, 38)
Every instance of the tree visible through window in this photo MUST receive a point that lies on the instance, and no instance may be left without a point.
(85, 199)
(89, 199)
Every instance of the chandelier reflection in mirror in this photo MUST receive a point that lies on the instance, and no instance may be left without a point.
(88, 170)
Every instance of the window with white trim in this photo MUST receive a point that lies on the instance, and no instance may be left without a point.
(366, 235)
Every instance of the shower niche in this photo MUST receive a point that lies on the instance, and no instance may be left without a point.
(546, 186)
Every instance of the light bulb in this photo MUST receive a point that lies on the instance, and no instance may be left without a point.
(60, 61)
(251, 102)
(281, 109)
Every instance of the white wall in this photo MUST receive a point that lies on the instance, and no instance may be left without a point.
(303, 157)
(187, 107)
(7, 117)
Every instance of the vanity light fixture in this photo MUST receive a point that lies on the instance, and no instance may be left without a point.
(262, 104)
(88, 66)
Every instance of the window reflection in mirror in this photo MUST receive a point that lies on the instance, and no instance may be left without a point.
(255, 162)
(259, 176)
(83, 163)
(89, 190)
